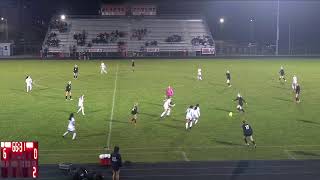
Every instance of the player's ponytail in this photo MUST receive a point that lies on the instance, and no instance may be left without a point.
(71, 116)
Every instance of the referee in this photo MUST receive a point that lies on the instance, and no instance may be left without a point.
(116, 163)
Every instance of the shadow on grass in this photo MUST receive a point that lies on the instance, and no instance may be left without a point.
(227, 143)
(282, 99)
(218, 84)
(150, 115)
(308, 121)
(153, 104)
(172, 126)
(225, 110)
(94, 135)
(98, 110)
(304, 153)
(280, 87)
(122, 122)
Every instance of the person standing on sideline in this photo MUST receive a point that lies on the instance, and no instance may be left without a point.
(71, 127)
(103, 68)
(116, 163)
(81, 104)
(29, 83)
(132, 65)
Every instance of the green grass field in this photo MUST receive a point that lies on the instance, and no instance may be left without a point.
(282, 128)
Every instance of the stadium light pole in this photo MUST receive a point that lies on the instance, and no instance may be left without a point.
(251, 36)
(6, 25)
(277, 40)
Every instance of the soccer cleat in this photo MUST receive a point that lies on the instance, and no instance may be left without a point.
(255, 146)
(247, 144)
(71, 99)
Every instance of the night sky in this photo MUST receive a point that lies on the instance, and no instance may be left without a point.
(303, 17)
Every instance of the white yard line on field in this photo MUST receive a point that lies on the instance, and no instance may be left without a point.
(112, 109)
(290, 156)
(184, 155)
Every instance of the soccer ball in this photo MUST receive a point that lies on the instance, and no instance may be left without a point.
(230, 114)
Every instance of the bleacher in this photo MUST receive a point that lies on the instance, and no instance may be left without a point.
(157, 29)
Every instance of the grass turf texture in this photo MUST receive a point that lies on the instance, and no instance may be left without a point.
(282, 128)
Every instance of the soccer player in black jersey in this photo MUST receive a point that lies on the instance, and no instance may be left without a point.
(132, 65)
(134, 113)
(75, 71)
(68, 91)
(228, 78)
(247, 133)
(240, 103)
(297, 93)
(281, 72)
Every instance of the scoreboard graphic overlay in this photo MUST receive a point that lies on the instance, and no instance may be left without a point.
(19, 160)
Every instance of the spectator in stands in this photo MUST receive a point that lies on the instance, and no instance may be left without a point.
(52, 40)
(204, 41)
(174, 38)
(116, 163)
(81, 38)
(60, 25)
(138, 33)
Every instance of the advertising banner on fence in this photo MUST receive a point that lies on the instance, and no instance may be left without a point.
(208, 50)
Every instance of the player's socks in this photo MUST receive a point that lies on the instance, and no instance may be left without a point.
(163, 114)
(65, 134)
(70, 97)
(66, 97)
(191, 124)
(196, 121)
(245, 140)
(74, 136)
(187, 125)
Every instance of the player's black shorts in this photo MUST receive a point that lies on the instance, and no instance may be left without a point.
(247, 135)
(115, 168)
(68, 91)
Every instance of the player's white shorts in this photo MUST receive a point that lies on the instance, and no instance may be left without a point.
(228, 80)
(294, 85)
(189, 118)
(281, 77)
(71, 129)
(239, 107)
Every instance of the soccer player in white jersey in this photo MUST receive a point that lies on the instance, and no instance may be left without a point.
(29, 83)
(199, 74)
(168, 104)
(103, 68)
(196, 113)
(81, 104)
(189, 114)
(71, 127)
(294, 82)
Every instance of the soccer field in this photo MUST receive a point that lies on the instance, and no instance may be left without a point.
(282, 128)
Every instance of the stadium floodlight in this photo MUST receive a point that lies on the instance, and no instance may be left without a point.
(251, 20)
(2, 18)
(221, 20)
(63, 17)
